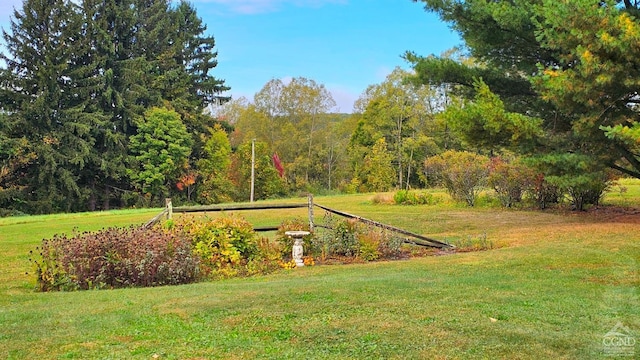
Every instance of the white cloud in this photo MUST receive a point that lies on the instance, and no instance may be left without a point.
(265, 6)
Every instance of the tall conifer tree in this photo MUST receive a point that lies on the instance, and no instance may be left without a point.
(39, 79)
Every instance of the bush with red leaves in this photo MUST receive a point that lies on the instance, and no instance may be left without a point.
(115, 258)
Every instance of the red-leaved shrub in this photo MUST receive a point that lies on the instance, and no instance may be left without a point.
(115, 258)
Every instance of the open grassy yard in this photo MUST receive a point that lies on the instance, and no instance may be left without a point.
(556, 283)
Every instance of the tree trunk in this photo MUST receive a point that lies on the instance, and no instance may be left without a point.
(399, 151)
(105, 200)
(92, 197)
(409, 168)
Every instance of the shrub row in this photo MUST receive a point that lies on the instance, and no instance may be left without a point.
(190, 249)
(179, 252)
(464, 175)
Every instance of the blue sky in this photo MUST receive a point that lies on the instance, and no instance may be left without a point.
(344, 44)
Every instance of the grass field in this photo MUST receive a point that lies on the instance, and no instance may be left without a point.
(557, 282)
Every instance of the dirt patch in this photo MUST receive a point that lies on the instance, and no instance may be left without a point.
(615, 214)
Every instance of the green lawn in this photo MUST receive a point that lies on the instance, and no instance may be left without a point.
(558, 282)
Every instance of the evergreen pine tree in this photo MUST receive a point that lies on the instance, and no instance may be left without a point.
(41, 89)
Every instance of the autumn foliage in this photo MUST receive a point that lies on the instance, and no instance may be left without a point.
(115, 258)
(179, 252)
(462, 173)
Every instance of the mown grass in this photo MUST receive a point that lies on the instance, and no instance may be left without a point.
(557, 283)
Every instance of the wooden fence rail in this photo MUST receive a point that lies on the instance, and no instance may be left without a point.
(170, 210)
(416, 239)
(236, 207)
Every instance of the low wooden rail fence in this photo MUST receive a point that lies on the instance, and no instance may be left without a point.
(411, 238)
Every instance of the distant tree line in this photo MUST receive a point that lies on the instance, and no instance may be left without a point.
(382, 145)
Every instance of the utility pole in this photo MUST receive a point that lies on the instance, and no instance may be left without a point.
(253, 167)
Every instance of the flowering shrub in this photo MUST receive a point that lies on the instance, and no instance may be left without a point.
(115, 258)
(308, 261)
(225, 245)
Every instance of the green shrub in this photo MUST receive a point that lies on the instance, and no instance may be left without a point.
(587, 189)
(224, 245)
(543, 193)
(344, 241)
(407, 197)
(578, 175)
(488, 200)
(338, 238)
(510, 180)
(115, 258)
(10, 212)
(266, 260)
(369, 247)
(462, 173)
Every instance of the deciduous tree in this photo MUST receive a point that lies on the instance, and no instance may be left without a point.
(288, 115)
(214, 166)
(267, 180)
(404, 114)
(160, 150)
(377, 173)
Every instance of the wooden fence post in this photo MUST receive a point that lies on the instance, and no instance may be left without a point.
(310, 201)
(168, 208)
